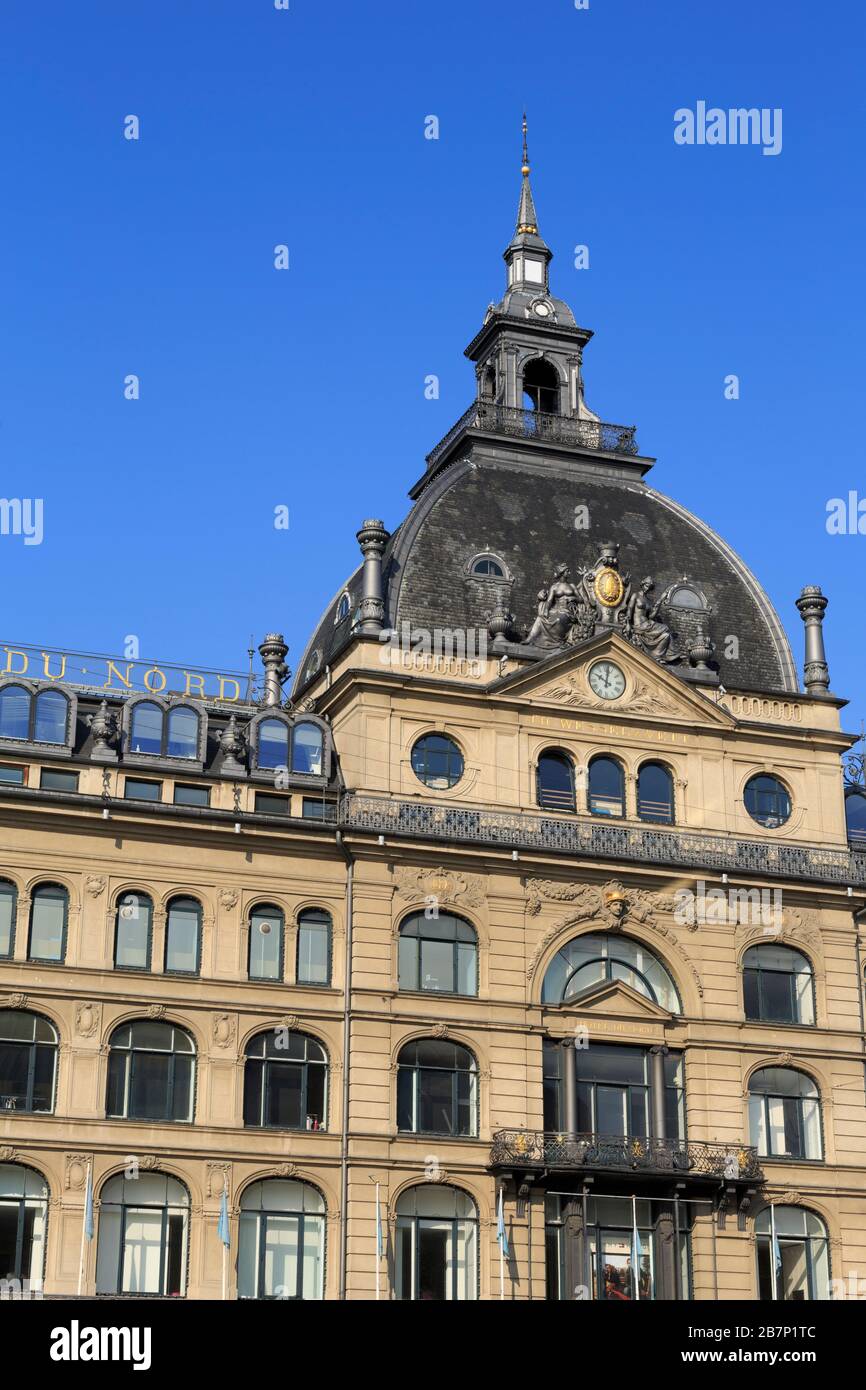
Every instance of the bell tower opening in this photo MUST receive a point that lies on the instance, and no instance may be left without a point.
(541, 387)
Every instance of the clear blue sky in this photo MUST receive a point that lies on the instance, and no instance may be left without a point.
(306, 127)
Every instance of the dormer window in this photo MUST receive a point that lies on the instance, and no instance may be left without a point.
(273, 749)
(31, 717)
(488, 567)
(164, 733)
(307, 749)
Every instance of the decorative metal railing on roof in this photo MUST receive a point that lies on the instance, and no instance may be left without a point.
(537, 425)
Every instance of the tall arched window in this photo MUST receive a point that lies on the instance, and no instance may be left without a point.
(23, 1214)
(307, 749)
(784, 1114)
(132, 932)
(51, 713)
(606, 787)
(439, 954)
(655, 794)
(146, 732)
(437, 1088)
(143, 1233)
(588, 960)
(855, 816)
(183, 937)
(555, 782)
(541, 387)
(273, 744)
(14, 712)
(437, 1244)
(48, 912)
(314, 947)
(182, 739)
(8, 911)
(793, 1257)
(266, 943)
(281, 1246)
(285, 1081)
(778, 985)
(151, 1072)
(28, 1063)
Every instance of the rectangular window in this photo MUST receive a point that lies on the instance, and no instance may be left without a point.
(313, 809)
(7, 918)
(137, 790)
(191, 796)
(269, 805)
(314, 953)
(12, 774)
(57, 779)
(181, 941)
(47, 924)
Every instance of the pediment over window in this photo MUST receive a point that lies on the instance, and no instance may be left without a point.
(615, 999)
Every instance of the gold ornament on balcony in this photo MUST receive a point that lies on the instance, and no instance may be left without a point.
(637, 1149)
(521, 1144)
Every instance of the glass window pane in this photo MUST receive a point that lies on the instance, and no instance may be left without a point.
(467, 968)
(181, 941)
(314, 940)
(437, 966)
(47, 918)
(56, 779)
(14, 712)
(132, 949)
(248, 1254)
(273, 743)
(52, 709)
(142, 1252)
(313, 1257)
(183, 733)
(266, 944)
(7, 918)
(43, 1079)
(191, 796)
(283, 1100)
(307, 749)
(146, 728)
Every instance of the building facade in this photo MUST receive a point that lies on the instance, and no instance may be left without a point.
(514, 954)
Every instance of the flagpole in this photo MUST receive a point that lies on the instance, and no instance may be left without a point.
(84, 1227)
(774, 1246)
(224, 1246)
(501, 1224)
(378, 1246)
(634, 1249)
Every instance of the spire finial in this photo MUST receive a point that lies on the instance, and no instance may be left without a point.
(525, 169)
(526, 220)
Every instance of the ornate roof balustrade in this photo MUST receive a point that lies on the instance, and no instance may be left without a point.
(692, 1158)
(589, 838)
(534, 424)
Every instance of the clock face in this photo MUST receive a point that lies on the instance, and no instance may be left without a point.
(607, 680)
(541, 309)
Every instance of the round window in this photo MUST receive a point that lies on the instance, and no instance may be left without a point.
(437, 761)
(767, 801)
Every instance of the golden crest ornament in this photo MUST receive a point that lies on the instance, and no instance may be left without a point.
(608, 587)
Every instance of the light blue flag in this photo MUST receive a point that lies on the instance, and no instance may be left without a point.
(223, 1223)
(88, 1205)
(501, 1234)
(636, 1249)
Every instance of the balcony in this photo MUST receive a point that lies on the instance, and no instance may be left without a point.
(536, 425)
(588, 1153)
(586, 837)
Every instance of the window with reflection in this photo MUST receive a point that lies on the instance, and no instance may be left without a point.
(621, 1269)
(183, 937)
(555, 782)
(437, 761)
(285, 1081)
(28, 1062)
(273, 743)
(151, 1071)
(606, 787)
(307, 749)
(266, 943)
(778, 985)
(855, 816)
(51, 713)
(14, 712)
(785, 1114)
(614, 1091)
(281, 1246)
(439, 954)
(182, 738)
(767, 801)
(8, 912)
(437, 1088)
(437, 1244)
(132, 932)
(793, 1256)
(588, 960)
(143, 1234)
(48, 913)
(174, 734)
(146, 731)
(23, 1217)
(314, 947)
(488, 567)
(655, 794)
(40, 719)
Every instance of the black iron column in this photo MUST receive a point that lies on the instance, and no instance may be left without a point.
(658, 1055)
(569, 1086)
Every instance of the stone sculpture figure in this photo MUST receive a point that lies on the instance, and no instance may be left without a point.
(558, 608)
(643, 628)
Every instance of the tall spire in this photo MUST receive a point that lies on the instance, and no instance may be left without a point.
(527, 222)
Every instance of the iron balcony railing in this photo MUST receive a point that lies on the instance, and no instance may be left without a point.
(528, 1148)
(589, 838)
(537, 424)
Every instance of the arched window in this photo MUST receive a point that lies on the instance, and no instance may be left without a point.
(488, 567)
(23, 1214)
(437, 1088)
(606, 787)
(132, 932)
(784, 1114)
(684, 597)
(655, 794)
(183, 937)
(285, 1081)
(266, 943)
(439, 954)
(8, 912)
(28, 1063)
(343, 608)
(281, 1247)
(52, 710)
(793, 1256)
(767, 801)
(151, 1071)
(437, 761)
(48, 913)
(273, 744)
(541, 387)
(314, 947)
(437, 1244)
(182, 739)
(777, 985)
(555, 782)
(588, 960)
(855, 816)
(307, 749)
(146, 734)
(143, 1233)
(14, 712)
